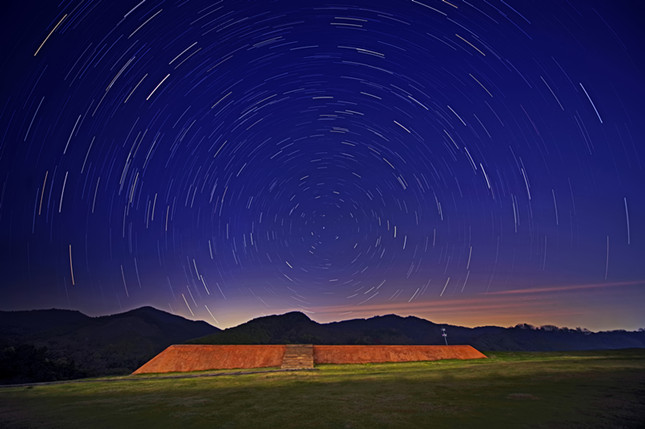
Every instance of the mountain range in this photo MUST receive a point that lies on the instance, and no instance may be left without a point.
(44, 345)
(296, 327)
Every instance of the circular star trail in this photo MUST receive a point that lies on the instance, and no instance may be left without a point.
(233, 158)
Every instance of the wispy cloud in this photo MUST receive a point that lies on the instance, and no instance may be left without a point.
(539, 305)
(563, 288)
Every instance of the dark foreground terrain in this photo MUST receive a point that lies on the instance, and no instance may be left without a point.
(49, 345)
(528, 389)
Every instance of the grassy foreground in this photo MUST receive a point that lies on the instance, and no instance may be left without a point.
(566, 390)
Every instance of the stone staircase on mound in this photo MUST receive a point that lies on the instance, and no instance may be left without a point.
(298, 356)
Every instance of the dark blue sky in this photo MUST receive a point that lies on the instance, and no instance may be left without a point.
(471, 162)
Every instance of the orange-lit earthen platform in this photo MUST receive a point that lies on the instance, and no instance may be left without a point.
(187, 357)
(374, 354)
(184, 358)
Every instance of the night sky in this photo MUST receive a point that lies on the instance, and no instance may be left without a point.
(469, 162)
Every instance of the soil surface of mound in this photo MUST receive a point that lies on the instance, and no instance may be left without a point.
(186, 357)
(373, 354)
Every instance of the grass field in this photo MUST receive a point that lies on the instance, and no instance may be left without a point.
(543, 390)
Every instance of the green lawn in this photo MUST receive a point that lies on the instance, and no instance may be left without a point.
(549, 390)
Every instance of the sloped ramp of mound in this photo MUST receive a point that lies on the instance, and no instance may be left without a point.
(375, 354)
(185, 357)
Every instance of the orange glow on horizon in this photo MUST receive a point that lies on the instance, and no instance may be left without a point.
(560, 305)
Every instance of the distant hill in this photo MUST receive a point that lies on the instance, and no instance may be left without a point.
(296, 328)
(42, 345)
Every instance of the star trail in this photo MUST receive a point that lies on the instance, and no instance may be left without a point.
(470, 162)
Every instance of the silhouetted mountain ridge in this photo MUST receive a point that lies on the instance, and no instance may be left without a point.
(296, 328)
(70, 344)
(42, 345)
(20, 324)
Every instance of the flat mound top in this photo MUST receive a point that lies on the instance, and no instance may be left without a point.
(189, 357)
(392, 353)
